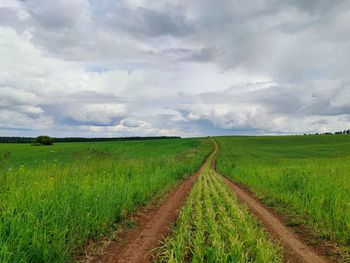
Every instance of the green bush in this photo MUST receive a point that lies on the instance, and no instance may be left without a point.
(43, 140)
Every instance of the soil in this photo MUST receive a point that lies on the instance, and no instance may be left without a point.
(295, 249)
(153, 226)
(330, 250)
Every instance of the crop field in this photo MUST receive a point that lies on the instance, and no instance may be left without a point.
(307, 177)
(214, 227)
(53, 199)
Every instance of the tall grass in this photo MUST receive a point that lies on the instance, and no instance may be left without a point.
(48, 211)
(306, 176)
(214, 227)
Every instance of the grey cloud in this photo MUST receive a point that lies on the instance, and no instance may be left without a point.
(58, 15)
(175, 67)
(81, 30)
(85, 108)
(153, 23)
(84, 96)
(205, 54)
(8, 17)
(133, 123)
(11, 119)
(322, 121)
(13, 97)
(270, 108)
(143, 21)
(315, 6)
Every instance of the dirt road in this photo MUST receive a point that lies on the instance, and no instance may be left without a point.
(137, 245)
(297, 250)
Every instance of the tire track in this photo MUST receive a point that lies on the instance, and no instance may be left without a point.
(297, 250)
(136, 246)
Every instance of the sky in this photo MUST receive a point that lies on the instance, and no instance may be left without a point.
(183, 67)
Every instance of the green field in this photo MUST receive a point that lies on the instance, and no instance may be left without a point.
(53, 199)
(307, 177)
(214, 227)
(27, 155)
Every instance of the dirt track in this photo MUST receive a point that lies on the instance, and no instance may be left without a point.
(137, 245)
(297, 250)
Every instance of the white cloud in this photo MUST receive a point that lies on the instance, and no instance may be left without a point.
(98, 114)
(102, 68)
(20, 121)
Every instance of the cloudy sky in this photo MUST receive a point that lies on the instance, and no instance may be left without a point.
(180, 67)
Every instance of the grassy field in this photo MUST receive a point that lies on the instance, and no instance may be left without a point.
(53, 199)
(307, 177)
(34, 156)
(214, 227)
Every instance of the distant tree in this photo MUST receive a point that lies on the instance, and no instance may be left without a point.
(43, 140)
(83, 139)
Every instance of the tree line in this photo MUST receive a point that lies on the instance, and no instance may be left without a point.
(343, 132)
(329, 133)
(10, 139)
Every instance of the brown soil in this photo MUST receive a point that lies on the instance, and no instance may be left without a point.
(295, 250)
(152, 227)
(330, 250)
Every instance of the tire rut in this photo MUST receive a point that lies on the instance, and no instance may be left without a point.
(295, 249)
(136, 246)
